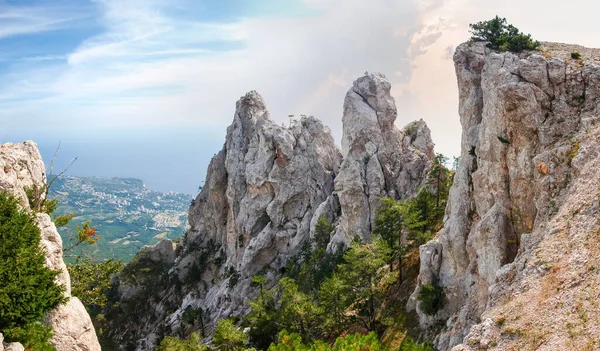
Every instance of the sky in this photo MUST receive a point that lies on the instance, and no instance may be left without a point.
(146, 88)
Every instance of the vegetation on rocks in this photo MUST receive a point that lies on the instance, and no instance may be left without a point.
(28, 290)
(502, 36)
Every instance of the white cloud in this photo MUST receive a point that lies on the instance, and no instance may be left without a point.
(27, 20)
(151, 67)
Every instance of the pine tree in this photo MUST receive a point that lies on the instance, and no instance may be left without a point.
(28, 289)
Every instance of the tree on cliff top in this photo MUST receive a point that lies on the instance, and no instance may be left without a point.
(502, 36)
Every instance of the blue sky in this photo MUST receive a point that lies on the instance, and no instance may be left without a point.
(147, 88)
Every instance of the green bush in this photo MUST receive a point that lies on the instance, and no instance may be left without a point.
(502, 36)
(229, 338)
(28, 289)
(34, 336)
(408, 344)
(432, 299)
(91, 281)
(173, 344)
(575, 55)
(350, 342)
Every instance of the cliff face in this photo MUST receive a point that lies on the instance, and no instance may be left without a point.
(522, 211)
(379, 160)
(21, 166)
(262, 197)
(255, 211)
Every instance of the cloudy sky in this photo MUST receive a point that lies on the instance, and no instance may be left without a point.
(146, 88)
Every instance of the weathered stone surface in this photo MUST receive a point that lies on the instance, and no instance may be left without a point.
(379, 160)
(14, 346)
(522, 117)
(164, 251)
(21, 166)
(262, 196)
(265, 191)
(72, 327)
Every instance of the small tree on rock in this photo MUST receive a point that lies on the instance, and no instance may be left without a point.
(502, 36)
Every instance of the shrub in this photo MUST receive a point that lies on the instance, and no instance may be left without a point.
(28, 289)
(34, 336)
(432, 299)
(408, 344)
(575, 55)
(358, 342)
(227, 337)
(173, 344)
(502, 36)
(91, 281)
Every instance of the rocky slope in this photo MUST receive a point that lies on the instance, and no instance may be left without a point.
(262, 197)
(517, 256)
(21, 166)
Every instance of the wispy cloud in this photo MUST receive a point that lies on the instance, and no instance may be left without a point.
(152, 63)
(19, 20)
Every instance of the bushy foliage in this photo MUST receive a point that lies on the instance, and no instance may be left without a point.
(575, 55)
(263, 320)
(173, 344)
(28, 289)
(229, 338)
(90, 281)
(38, 199)
(325, 294)
(33, 336)
(408, 344)
(431, 298)
(351, 342)
(502, 36)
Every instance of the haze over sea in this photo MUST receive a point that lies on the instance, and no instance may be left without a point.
(166, 160)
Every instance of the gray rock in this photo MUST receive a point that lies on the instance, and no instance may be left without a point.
(503, 191)
(164, 251)
(379, 160)
(21, 166)
(265, 191)
(14, 346)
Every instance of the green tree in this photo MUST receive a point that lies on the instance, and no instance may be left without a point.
(358, 342)
(350, 342)
(502, 36)
(173, 344)
(437, 177)
(193, 316)
(298, 312)
(28, 289)
(229, 338)
(408, 344)
(389, 225)
(367, 282)
(90, 281)
(334, 300)
(290, 342)
(323, 231)
(263, 320)
(431, 298)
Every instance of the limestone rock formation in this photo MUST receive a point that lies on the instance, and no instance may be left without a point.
(514, 250)
(262, 194)
(379, 160)
(261, 200)
(21, 166)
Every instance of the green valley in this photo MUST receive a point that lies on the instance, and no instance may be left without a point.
(125, 213)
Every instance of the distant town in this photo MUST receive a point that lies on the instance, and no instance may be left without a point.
(125, 213)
